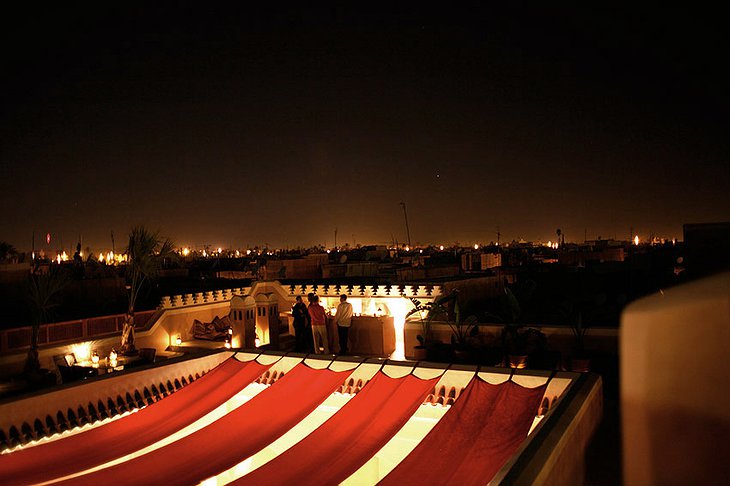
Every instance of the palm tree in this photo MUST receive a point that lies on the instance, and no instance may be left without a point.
(7, 251)
(145, 253)
(44, 291)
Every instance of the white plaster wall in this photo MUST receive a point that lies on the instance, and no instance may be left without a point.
(675, 404)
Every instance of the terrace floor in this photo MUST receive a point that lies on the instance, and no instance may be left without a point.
(603, 457)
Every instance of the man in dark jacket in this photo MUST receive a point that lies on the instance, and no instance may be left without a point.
(300, 314)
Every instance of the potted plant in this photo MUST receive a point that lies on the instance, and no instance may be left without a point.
(579, 361)
(463, 333)
(145, 253)
(44, 290)
(420, 351)
(520, 342)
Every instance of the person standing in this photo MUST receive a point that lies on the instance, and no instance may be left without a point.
(308, 329)
(343, 318)
(319, 325)
(300, 314)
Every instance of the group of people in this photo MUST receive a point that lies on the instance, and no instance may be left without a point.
(310, 325)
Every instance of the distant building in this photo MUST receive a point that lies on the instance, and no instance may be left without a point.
(581, 255)
(491, 260)
(309, 266)
(707, 247)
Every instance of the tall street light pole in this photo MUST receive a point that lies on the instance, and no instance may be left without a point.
(408, 231)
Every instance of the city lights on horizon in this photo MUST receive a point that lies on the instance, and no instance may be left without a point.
(109, 257)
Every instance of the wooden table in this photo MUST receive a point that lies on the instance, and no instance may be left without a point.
(368, 335)
(105, 366)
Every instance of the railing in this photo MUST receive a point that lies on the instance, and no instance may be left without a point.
(13, 340)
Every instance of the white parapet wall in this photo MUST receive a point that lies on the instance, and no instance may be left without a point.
(26, 410)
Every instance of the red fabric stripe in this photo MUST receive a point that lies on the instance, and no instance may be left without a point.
(501, 437)
(128, 434)
(231, 439)
(350, 438)
(484, 427)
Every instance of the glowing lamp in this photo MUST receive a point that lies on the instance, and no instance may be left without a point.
(95, 358)
(636, 240)
(113, 355)
(186, 251)
(228, 345)
(441, 247)
(476, 247)
(230, 331)
(178, 340)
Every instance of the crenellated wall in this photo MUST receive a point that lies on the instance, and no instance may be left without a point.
(176, 313)
(45, 414)
(324, 289)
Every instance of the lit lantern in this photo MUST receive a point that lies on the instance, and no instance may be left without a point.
(228, 345)
(441, 247)
(230, 331)
(113, 355)
(95, 358)
(178, 340)
(636, 240)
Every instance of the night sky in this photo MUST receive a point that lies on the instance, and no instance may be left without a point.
(276, 126)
